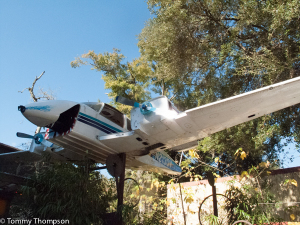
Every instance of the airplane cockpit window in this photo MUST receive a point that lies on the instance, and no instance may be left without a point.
(94, 105)
(113, 115)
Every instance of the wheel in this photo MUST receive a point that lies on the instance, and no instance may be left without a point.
(206, 210)
(131, 195)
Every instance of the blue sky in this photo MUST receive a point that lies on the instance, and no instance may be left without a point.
(37, 36)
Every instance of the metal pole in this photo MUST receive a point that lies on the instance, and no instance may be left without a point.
(120, 188)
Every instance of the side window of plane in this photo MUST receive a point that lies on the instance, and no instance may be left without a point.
(128, 124)
(96, 107)
(113, 115)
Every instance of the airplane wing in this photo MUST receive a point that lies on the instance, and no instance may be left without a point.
(200, 122)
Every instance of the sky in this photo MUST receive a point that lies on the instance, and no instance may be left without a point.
(37, 36)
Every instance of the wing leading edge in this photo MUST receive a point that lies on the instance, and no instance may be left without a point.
(202, 121)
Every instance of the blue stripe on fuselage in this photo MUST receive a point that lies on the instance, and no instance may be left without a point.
(97, 124)
(80, 119)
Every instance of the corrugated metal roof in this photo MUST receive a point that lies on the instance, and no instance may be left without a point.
(6, 148)
(10, 182)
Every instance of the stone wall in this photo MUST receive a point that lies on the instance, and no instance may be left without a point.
(193, 194)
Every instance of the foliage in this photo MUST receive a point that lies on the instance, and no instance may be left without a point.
(151, 208)
(210, 50)
(129, 80)
(291, 181)
(213, 41)
(253, 200)
(67, 191)
(213, 220)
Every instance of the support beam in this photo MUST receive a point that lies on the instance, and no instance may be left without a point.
(120, 181)
(215, 203)
(115, 165)
(211, 181)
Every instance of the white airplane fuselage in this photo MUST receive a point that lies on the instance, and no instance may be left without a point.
(96, 130)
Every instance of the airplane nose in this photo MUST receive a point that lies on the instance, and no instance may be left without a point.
(45, 113)
(21, 108)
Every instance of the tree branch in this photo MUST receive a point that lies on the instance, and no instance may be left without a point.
(30, 89)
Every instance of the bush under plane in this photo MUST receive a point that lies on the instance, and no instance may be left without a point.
(98, 131)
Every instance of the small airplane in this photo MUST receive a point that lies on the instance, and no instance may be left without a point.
(101, 132)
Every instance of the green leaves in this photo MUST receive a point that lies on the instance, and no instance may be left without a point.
(128, 79)
(196, 41)
(291, 181)
(66, 191)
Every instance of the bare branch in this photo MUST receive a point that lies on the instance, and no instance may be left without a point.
(30, 89)
(23, 90)
(46, 94)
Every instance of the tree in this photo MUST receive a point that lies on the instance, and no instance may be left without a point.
(64, 191)
(214, 41)
(130, 79)
(212, 50)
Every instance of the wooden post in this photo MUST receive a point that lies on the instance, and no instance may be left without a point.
(120, 188)
(115, 165)
(215, 203)
(120, 183)
(211, 181)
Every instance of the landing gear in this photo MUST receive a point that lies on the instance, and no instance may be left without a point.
(116, 167)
